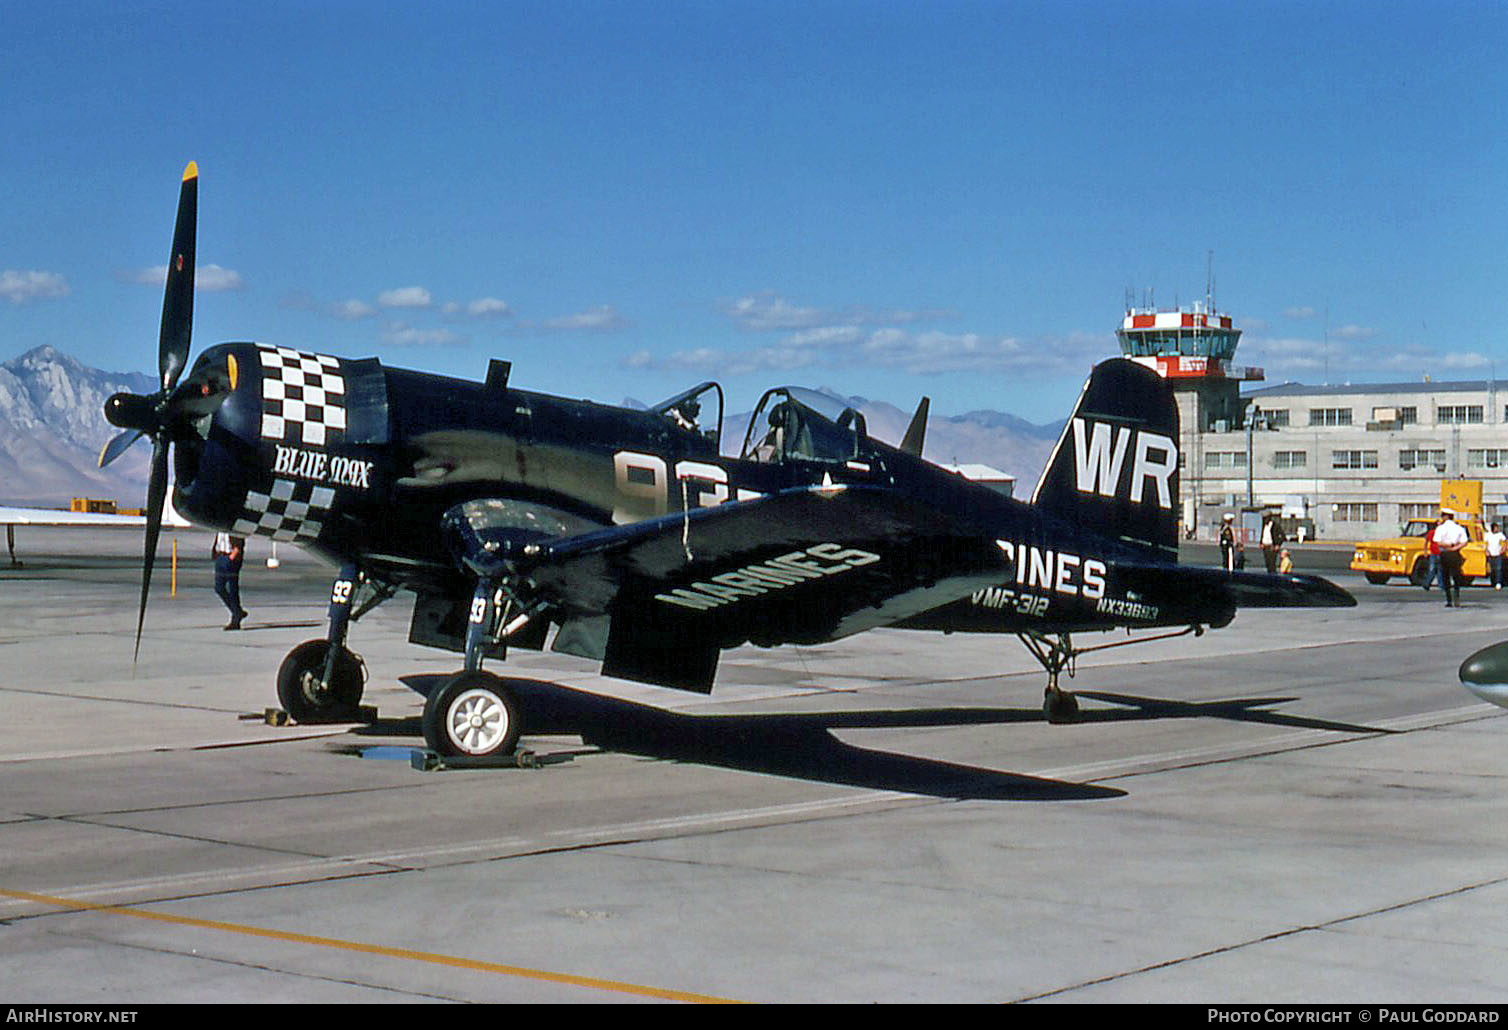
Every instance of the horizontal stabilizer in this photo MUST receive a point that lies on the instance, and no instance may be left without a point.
(1240, 589)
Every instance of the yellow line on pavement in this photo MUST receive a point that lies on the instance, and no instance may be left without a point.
(371, 949)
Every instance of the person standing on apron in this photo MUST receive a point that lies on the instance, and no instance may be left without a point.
(229, 551)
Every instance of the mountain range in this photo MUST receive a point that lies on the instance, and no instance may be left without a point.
(52, 427)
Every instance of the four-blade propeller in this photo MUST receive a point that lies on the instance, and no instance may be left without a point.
(158, 415)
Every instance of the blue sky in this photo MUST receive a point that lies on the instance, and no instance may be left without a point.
(624, 198)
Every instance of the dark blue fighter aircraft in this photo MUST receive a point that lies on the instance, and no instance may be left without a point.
(509, 513)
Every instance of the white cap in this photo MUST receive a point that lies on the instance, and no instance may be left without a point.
(1228, 515)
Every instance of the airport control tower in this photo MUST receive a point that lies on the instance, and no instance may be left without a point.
(1192, 348)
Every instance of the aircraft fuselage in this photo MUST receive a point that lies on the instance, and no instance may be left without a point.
(358, 463)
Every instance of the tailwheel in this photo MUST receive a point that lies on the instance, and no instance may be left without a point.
(472, 716)
(1059, 705)
(312, 688)
(1055, 655)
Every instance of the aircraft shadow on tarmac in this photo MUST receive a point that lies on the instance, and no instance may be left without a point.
(1247, 709)
(802, 746)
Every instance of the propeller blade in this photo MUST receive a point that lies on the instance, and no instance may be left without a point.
(178, 297)
(156, 495)
(118, 445)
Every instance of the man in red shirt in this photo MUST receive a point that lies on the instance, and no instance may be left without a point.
(1434, 556)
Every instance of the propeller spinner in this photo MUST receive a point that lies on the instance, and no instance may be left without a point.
(157, 415)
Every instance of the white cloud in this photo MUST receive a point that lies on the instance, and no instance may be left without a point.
(352, 310)
(397, 334)
(764, 311)
(23, 287)
(827, 337)
(1352, 359)
(1353, 332)
(207, 278)
(1299, 312)
(405, 297)
(488, 307)
(710, 361)
(925, 353)
(598, 319)
(214, 279)
(769, 312)
(1466, 360)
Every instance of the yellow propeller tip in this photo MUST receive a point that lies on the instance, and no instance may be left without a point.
(191, 172)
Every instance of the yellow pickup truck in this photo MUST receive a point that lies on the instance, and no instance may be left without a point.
(1408, 555)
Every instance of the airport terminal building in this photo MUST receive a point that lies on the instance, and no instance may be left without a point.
(1341, 462)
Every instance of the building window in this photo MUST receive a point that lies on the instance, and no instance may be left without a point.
(1216, 460)
(1408, 416)
(1487, 458)
(1353, 459)
(1329, 416)
(1458, 414)
(1421, 458)
(1356, 512)
(1276, 418)
(1290, 460)
(1409, 512)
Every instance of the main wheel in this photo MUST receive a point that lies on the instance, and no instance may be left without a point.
(472, 716)
(1420, 572)
(1378, 578)
(303, 692)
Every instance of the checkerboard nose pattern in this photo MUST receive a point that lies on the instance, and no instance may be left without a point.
(303, 404)
(303, 397)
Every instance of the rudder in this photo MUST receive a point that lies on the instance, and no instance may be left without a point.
(1115, 469)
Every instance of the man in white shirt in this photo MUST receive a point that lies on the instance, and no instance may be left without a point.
(229, 551)
(1451, 538)
(1494, 539)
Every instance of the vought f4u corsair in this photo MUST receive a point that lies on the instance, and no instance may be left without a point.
(630, 535)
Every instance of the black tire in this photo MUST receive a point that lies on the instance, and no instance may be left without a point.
(1060, 706)
(1379, 578)
(307, 700)
(472, 716)
(1420, 572)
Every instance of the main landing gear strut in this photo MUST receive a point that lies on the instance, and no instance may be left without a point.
(1057, 653)
(321, 680)
(474, 714)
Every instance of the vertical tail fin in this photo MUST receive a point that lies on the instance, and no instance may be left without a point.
(916, 432)
(1115, 470)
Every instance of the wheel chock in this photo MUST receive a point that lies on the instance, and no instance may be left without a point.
(425, 760)
(279, 717)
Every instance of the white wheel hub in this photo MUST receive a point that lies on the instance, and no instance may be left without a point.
(477, 721)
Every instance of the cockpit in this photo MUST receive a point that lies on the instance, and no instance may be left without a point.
(792, 422)
(698, 410)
